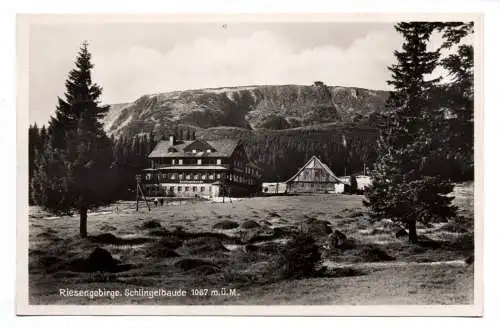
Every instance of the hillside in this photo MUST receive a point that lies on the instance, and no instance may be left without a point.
(250, 108)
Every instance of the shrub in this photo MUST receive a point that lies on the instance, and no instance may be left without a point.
(300, 258)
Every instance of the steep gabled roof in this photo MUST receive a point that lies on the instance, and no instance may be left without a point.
(223, 148)
(318, 162)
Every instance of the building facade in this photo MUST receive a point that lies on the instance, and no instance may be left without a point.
(314, 176)
(200, 168)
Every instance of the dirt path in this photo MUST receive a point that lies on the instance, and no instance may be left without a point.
(384, 265)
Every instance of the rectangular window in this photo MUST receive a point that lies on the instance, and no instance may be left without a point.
(196, 176)
(188, 176)
(218, 175)
(172, 188)
(181, 176)
(180, 162)
(210, 189)
(199, 161)
(194, 151)
(179, 189)
(211, 177)
(219, 161)
(204, 177)
(194, 188)
(186, 188)
(173, 161)
(202, 189)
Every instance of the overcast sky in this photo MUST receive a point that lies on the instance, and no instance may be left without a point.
(136, 59)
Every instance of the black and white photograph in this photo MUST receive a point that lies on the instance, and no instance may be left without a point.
(176, 164)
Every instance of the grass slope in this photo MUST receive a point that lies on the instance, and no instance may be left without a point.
(212, 245)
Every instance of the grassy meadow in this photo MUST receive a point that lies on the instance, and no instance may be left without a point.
(209, 248)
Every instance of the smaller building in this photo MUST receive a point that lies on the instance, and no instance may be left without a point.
(274, 188)
(315, 176)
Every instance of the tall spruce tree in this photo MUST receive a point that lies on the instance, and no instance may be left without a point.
(74, 171)
(407, 185)
(458, 96)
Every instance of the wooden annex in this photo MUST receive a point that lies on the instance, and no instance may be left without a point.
(315, 176)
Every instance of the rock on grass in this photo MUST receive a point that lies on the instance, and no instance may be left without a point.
(250, 224)
(204, 245)
(316, 228)
(226, 224)
(99, 260)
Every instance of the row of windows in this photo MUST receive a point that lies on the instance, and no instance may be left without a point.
(187, 176)
(188, 189)
(199, 161)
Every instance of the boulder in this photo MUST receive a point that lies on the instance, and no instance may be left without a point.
(226, 224)
(204, 245)
(257, 234)
(249, 224)
(316, 228)
(99, 260)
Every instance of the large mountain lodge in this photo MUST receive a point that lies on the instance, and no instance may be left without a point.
(200, 168)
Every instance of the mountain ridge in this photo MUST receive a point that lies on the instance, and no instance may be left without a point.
(253, 107)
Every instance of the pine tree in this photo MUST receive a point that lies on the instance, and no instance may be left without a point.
(34, 141)
(458, 96)
(74, 171)
(407, 186)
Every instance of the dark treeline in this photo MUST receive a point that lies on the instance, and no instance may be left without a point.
(280, 153)
(130, 155)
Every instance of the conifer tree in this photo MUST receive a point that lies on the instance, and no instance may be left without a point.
(458, 96)
(74, 171)
(407, 185)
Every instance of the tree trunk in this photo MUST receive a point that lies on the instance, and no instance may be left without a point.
(412, 232)
(83, 222)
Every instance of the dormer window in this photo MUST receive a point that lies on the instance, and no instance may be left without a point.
(209, 151)
(199, 161)
(194, 151)
(219, 161)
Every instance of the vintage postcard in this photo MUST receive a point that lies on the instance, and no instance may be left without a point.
(325, 164)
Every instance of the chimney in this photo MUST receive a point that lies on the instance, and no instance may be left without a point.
(172, 140)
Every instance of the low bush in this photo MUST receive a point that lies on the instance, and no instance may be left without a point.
(300, 257)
